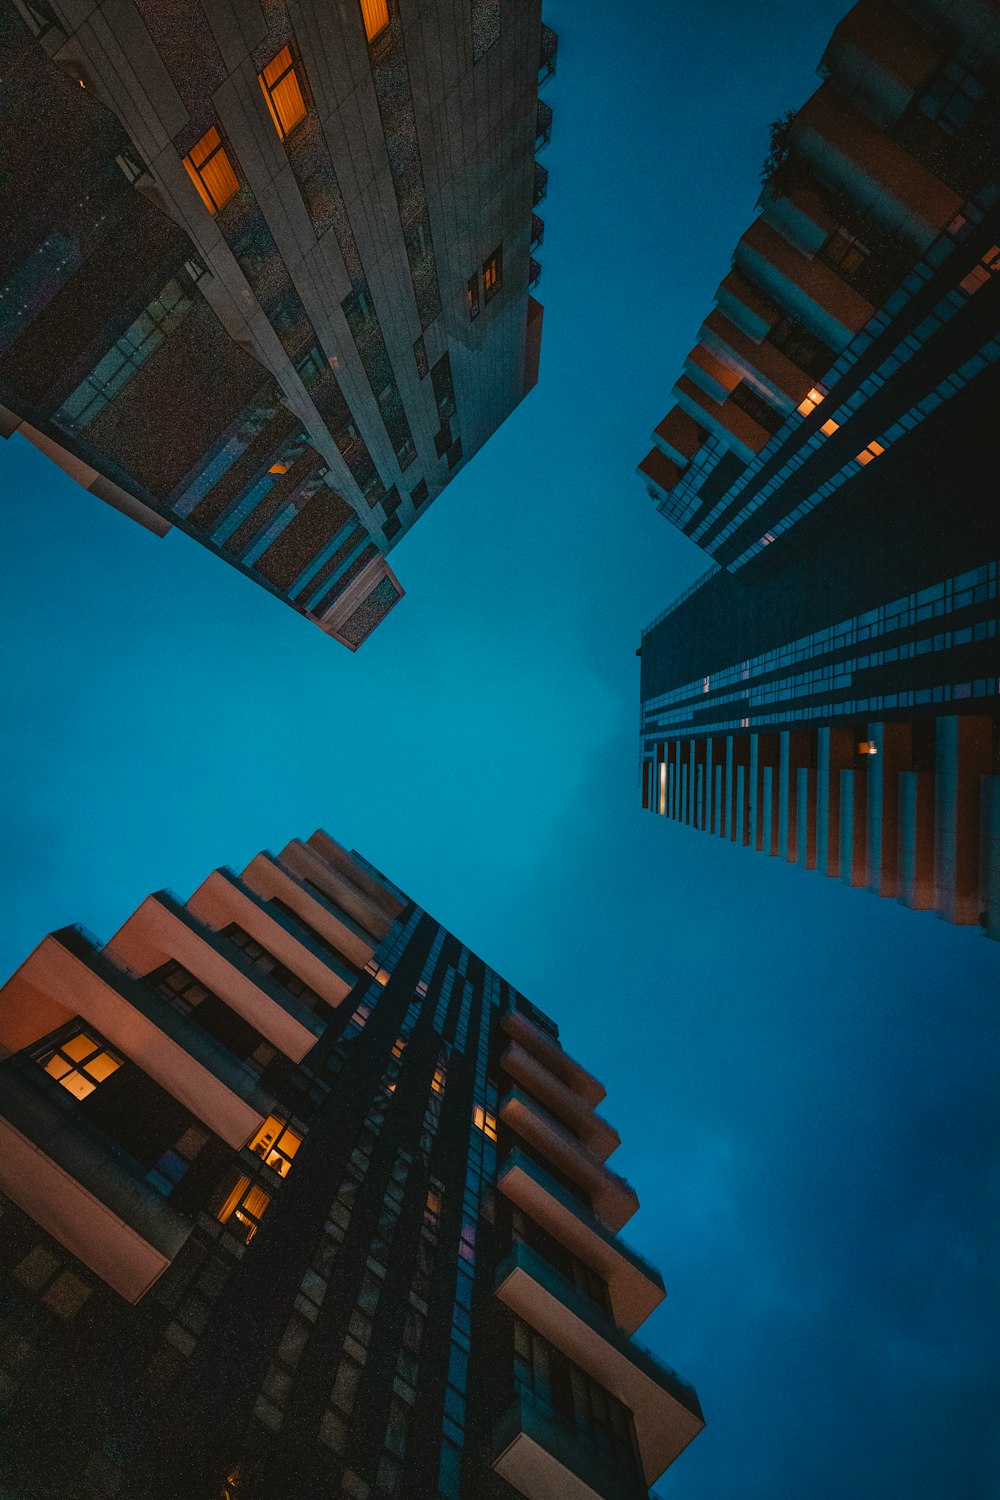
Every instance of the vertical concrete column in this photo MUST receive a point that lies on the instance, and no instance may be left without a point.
(717, 796)
(739, 819)
(709, 784)
(764, 804)
(834, 753)
(671, 763)
(795, 750)
(853, 827)
(963, 752)
(728, 790)
(699, 749)
(805, 818)
(915, 859)
(893, 753)
(989, 854)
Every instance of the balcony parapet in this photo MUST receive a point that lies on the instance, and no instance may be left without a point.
(363, 879)
(541, 184)
(635, 1287)
(82, 1188)
(560, 1099)
(613, 1199)
(266, 875)
(547, 1050)
(543, 125)
(665, 1408)
(163, 928)
(548, 51)
(541, 1454)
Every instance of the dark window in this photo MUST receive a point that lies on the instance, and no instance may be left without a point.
(317, 937)
(493, 274)
(442, 440)
(187, 995)
(549, 1377)
(391, 527)
(472, 297)
(801, 347)
(261, 959)
(419, 495)
(390, 501)
(755, 406)
(950, 97)
(454, 454)
(420, 355)
(845, 253)
(311, 367)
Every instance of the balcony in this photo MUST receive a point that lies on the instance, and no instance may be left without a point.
(547, 54)
(162, 928)
(664, 1408)
(537, 231)
(271, 879)
(541, 186)
(542, 1456)
(68, 976)
(520, 1028)
(364, 879)
(534, 273)
(635, 1287)
(543, 125)
(614, 1201)
(560, 1098)
(85, 1191)
(308, 863)
(224, 898)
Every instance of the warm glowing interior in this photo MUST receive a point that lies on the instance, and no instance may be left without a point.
(277, 1144)
(376, 14)
(283, 92)
(485, 1121)
(79, 1064)
(211, 171)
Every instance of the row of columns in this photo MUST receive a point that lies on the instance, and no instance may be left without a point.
(852, 808)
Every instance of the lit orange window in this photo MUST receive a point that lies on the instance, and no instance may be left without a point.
(437, 1082)
(79, 1063)
(276, 1144)
(211, 171)
(397, 1048)
(376, 14)
(493, 274)
(872, 451)
(278, 469)
(867, 747)
(829, 427)
(283, 92)
(485, 1121)
(811, 401)
(245, 1205)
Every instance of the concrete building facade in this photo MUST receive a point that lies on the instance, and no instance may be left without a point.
(300, 1197)
(270, 266)
(828, 691)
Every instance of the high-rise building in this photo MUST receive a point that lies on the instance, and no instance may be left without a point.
(301, 1198)
(267, 268)
(828, 691)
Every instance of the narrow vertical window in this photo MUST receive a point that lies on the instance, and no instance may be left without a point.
(211, 171)
(376, 14)
(472, 297)
(493, 274)
(281, 88)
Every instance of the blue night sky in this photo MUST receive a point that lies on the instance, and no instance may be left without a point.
(803, 1076)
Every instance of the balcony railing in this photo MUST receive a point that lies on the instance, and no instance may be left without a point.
(543, 125)
(531, 1423)
(541, 184)
(534, 274)
(547, 54)
(537, 231)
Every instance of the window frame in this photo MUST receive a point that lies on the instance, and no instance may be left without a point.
(297, 72)
(195, 170)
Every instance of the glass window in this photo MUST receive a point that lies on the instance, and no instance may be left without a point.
(845, 253)
(472, 297)
(277, 1144)
(211, 171)
(376, 17)
(281, 88)
(951, 97)
(244, 1206)
(78, 1063)
(493, 274)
